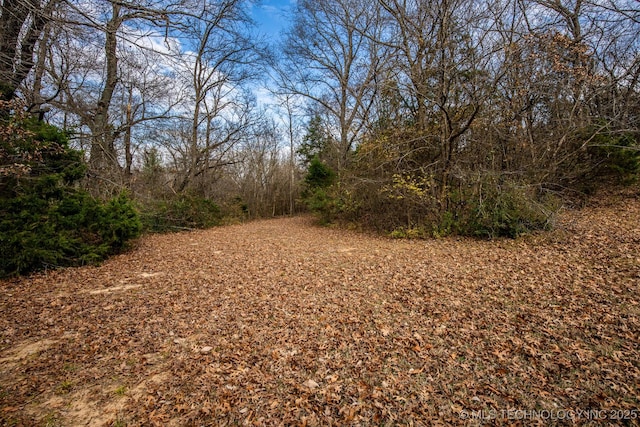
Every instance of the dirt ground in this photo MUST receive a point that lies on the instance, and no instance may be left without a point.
(283, 322)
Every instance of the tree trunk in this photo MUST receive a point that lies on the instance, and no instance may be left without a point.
(21, 24)
(103, 157)
(127, 144)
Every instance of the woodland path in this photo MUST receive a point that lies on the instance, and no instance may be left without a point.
(282, 322)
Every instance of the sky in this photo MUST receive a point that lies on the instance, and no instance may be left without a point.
(271, 17)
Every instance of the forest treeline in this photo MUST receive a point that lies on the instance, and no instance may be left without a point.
(470, 117)
(411, 117)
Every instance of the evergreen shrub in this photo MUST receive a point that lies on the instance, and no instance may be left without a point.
(46, 221)
(184, 211)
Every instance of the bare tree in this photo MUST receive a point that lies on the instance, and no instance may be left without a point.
(331, 61)
(288, 104)
(442, 53)
(262, 175)
(566, 56)
(22, 23)
(220, 63)
(111, 67)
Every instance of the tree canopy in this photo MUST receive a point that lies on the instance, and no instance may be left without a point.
(440, 116)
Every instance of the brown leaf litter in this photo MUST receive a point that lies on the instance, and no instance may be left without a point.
(282, 322)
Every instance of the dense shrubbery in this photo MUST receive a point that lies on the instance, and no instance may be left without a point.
(44, 220)
(615, 156)
(71, 228)
(507, 210)
(477, 202)
(183, 211)
(317, 195)
(408, 181)
(410, 211)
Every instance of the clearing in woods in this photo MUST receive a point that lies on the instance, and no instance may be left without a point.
(281, 322)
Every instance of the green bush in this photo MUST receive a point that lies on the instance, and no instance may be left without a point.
(485, 207)
(319, 175)
(44, 220)
(318, 194)
(119, 223)
(322, 203)
(503, 211)
(73, 229)
(185, 211)
(615, 155)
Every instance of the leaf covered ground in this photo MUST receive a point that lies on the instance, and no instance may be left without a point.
(282, 322)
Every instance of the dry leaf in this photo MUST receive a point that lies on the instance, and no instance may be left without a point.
(543, 322)
(310, 384)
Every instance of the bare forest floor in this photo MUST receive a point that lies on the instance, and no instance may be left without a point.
(282, 322)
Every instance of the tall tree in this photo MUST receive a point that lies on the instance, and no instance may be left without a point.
(223, 58)
(441, 63)
(21, 25)
(331, 60)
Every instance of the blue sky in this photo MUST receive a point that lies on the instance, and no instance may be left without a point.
(272, 16)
